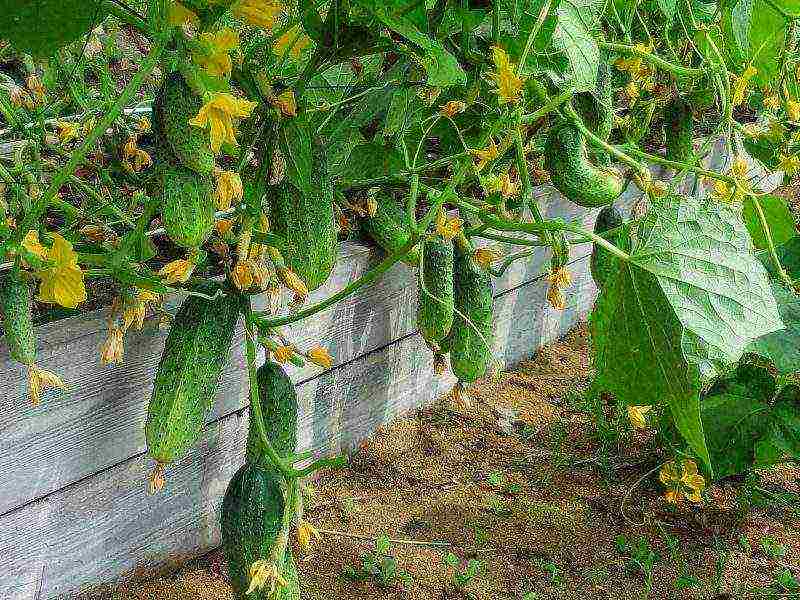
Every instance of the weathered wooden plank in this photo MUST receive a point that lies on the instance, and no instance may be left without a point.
(92, 531)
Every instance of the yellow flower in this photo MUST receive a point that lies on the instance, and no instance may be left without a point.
(637, 415)
(453, 108)
(772, 102)
(793, 110)
(177, 271)
(38, 380)
(224, 227)
(216, 59)
(448, 228)
(508, 188)
(35, 85)
(134, 159)
(320, 356)
(293, 282)
(634, 64)
(556, 298)
(293, 41)
(740, 87)
(286, 103)
(179, 15)
(754, 130)
(789, 164)
(739, 168)
(282, 353)
(721, 190)
(682, 481)
(229, 188)
(62, 280)
(372, 206)
(31, 243)
(242, 276)
(305, 532)
(559, 279)
(258, 13)
(632, 90)
(143, 124)
(486, 256)
(67, 131)
(112, 349)
(485, 156)
(263, 573)
(217, 115)
(509, 86)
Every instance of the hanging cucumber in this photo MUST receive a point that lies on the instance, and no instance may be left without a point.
(596, 108)
(435, 304)
(16, 307)
(187, 206)
(389, 229)
(573, 174)
(279, 412)
(603, 264)
(678, 129)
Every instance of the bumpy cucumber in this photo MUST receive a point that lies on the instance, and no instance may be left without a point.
(188, 375)
(307, 222)
(252, 520)
(187, 206)
(174, 105)
(389, 229)
(596, 108)
(435, 306)
(603, 264)
(572, 173)
(279, 408)
(16, 304)
(469, 345)
(678, 129)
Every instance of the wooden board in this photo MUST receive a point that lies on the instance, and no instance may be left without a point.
(106, 524)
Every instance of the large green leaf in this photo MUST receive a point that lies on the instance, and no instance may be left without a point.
(295, 145)
(409, 19)
(779, 219)
(40, 27)
(372, 160)
(736, 18)
(574, 56)
(768, 36)
(736, 415)
(689, 300)
(783, 436)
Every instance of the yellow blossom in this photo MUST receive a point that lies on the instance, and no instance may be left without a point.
(789, 164)
(229, 188)
(372, 206)
(486, 155)
(282, 353)
(134, 159)
(632, 90)
(224, 227)
(558, 279)
(754, 130)
(637, 415)
(508, 188)
(448, 228)
(217, 116)
(453, 108)
(242, 275)
(293, 41)
(721, 190)
(793, 110)
(35, 86)
(741, 84)
(258, 13)
(177, 271)
(771, 102)
(556, 298)
(143, 124)
(31, 243)
(682, 481)
(216, 58)
(264, 574)
(320, 356)
(62, 280)
(305, 532)
(293, 282)
(286, 103)
(67, 131)
(112, 349)
(509, 86)
(486, 256)
(38, 380)
(739, 168)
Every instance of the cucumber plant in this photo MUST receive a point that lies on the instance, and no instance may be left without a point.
(254, 136)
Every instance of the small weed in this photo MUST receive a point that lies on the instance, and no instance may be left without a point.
(464, 574)
(496, 505)
(744, 544)
(555, 572)
(641, 558)
(772, 548)
(379, 566)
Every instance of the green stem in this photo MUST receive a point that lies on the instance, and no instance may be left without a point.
(543, 12)
(678, 165)
(678, 70)
(773, 255)
(99, 129)
(597, 239)
(551, 106)
(507, 239)
(522, 169)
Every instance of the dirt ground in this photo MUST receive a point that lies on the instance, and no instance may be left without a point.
(545, 504)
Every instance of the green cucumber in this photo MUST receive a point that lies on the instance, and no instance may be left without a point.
(279, 411)
(16, 307)
(603, 264)
(435, 305)
(187, 206)
(678, 130)
(388, 228)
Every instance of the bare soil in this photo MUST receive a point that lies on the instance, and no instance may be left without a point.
(550, 506)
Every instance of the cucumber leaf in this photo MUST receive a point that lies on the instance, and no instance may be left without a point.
(689, 300)
(41, 27)
(778, 216)
(783, 437)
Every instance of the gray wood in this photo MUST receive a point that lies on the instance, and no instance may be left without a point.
(106, 524)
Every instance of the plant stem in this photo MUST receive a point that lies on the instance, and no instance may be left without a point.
(773, 255)
(543, 12)
(549, 107)
(126, 14)
(522, 169)
(678, 70)
(99, 129)
(678, 165)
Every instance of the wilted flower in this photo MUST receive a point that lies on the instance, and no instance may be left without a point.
(38, 380)
(177, 271)
(305, 532)
(113, 348)
(637, 415)
(453, 108)
(320, 356)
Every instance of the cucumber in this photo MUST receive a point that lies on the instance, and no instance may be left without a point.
(187, 206)
(573, 174)
(596, 108)
(435, 305)
(470, 345)
(279, 407)
(174, 105)
(603, 264)
(678, 130)
(16, 307)
(307, 222)
(194, 355)
(389, 229)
